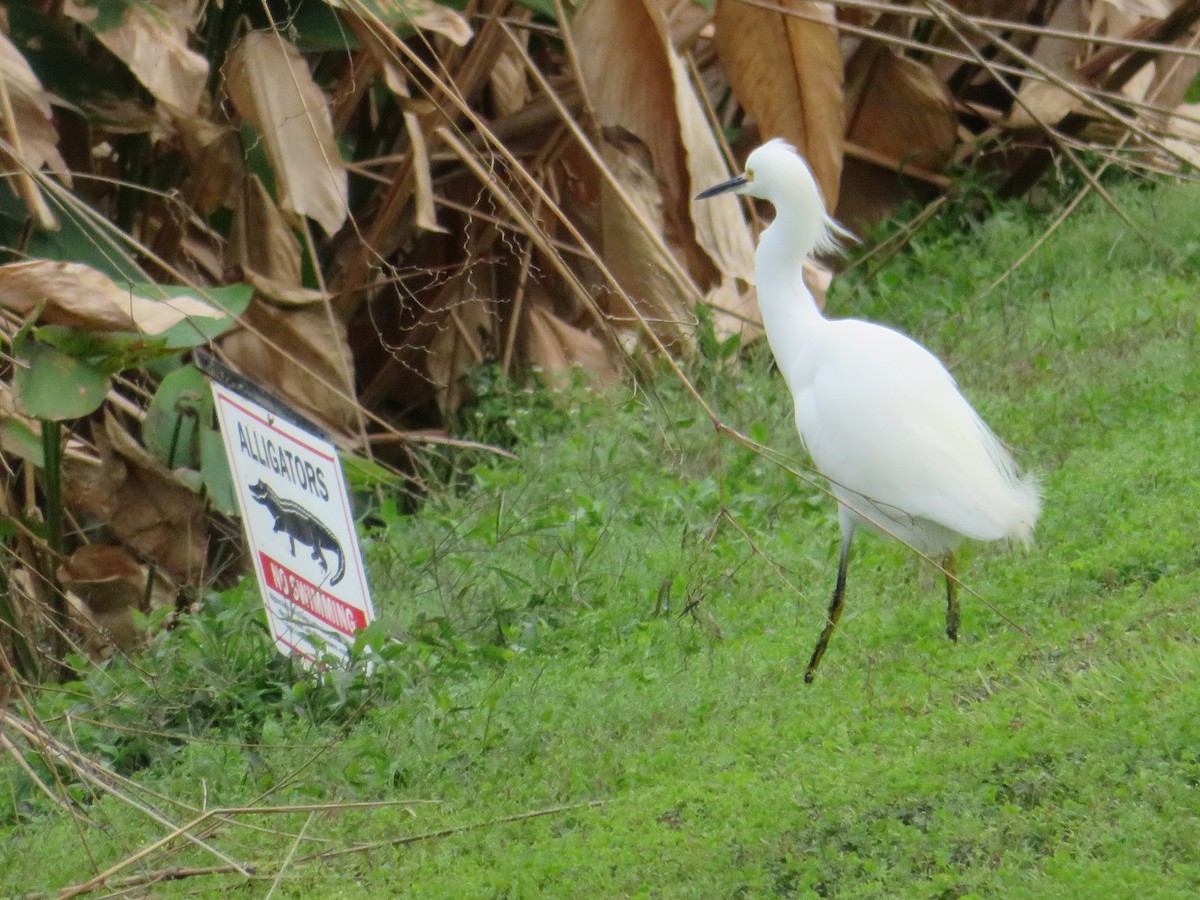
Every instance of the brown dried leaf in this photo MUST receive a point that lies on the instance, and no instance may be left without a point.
(787, 73)
(556, 347)
(271, 86)
(636, 81)
(397, 81)
(152, 40)
(29, 606)
(216, 162)
(632, 256)
(199, 256)
(424, 15)
(1172, 79)
(27, 126)
(109, 585)
(301, 356)
(510, 89)
(33, 117)
(945, 67)
(139, 499)
(260, 241)
(720, 228)
(429, 16)
(1186, 132)
(623, 62)
(98, 634)
(105, 577)
(79, 296)
(463, 330)
(1166, 80)
(1039, 100)
(685, 21)
(898, 110)
(1122, 13)
(278, 292)
(897, 107)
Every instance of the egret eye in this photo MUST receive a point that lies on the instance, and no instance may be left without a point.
(749, 174)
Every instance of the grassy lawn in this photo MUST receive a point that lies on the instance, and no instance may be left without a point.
(623, 614)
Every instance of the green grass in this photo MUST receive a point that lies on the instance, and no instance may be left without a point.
(541, 669)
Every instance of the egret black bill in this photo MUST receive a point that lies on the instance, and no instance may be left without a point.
(731, 185)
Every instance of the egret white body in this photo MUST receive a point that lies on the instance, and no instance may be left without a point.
(904, 452)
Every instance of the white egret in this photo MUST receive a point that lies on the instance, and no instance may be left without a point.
(904, 452)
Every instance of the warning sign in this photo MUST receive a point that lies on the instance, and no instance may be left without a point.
(299, 524)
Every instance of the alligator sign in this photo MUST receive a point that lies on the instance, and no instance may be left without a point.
(301, 525)
(301, 531)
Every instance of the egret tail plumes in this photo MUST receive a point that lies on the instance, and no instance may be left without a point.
(1019, 494)
(905, 454)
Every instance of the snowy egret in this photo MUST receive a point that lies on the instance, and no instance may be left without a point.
(882, 419)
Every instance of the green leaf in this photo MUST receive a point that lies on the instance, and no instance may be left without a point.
(108, 351)
(1192, 95)
(318, 28)
(254, 157)
(184, 402)
(117, 351)
(231, 299)
(77, 239)
(363, 474)
(544, 8)
(214, 466)
(50, 384)
(110, 14)
(20, 440)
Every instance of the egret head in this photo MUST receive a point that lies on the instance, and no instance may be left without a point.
(772, 170)
(775, 172)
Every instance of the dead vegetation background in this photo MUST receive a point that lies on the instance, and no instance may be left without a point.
(356, 203)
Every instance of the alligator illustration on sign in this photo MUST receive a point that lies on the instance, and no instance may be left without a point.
(300, 525)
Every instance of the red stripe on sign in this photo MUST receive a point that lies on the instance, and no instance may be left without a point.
(306, 595)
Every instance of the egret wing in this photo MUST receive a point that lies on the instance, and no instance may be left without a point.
(883, 418)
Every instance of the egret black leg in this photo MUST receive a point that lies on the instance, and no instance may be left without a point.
(951, 597)
(836, 604)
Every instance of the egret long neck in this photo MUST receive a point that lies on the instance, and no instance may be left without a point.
(789, 312)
